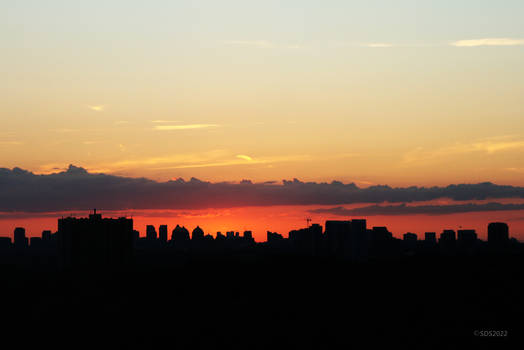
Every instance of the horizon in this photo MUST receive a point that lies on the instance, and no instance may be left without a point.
(346, 139)
(257, 206)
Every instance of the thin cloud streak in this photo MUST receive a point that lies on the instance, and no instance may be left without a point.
(243, 156)
(488, 42)
(488, 146)
(185, 127)
(99, 108)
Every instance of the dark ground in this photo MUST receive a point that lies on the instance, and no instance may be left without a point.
(267, 301)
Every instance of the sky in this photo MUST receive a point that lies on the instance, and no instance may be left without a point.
(423, 93)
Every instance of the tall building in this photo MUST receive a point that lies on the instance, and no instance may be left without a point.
(307, 240)
(447, 236)
(197, 234)
(410, 237)
(151, 233)
(430, 237)
(410, 240)
(498, 233)
(359, 242)
(466, 238)
(20, 240)
(337, 232)
(95, 241)
(179, 235)
(162, 233)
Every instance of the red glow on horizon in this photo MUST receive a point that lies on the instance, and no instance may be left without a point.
(279, 219)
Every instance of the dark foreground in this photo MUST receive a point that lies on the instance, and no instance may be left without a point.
(266, 301)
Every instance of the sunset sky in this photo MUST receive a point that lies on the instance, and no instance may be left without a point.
(403, 93)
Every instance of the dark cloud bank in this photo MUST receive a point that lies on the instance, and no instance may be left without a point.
(403, 209)
(76, 189)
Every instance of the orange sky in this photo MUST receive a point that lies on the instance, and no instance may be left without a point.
(284, 219)
(400, 93)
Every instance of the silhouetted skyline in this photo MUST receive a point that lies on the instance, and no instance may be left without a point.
(99, 241)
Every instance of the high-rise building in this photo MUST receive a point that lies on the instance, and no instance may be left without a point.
(179, 235)
(447, 236)
(466, 238)
(151, 233)
(410, 237)
(162, 233)
(498, 233)
(46, 235)
(20, 240)
(95, 241)
(337, 232)
(197, 234)
(430, 237)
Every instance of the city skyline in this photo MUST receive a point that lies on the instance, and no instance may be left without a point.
(266, 174)
(246, 205)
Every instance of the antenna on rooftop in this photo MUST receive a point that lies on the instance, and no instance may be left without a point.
(308, 221)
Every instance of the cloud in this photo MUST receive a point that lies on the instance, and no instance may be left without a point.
(78, 189)
(185, 127)
(13, 143)
(99, 108)
(243, 156)
(260, 44)
(162, 121)
(488, 42)
(404, 209)
(238, 161)
(488, 146)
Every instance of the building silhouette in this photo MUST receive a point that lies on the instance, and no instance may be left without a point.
(162, 234)
(151, 233)
(20, 240)
(498, 234)
(197, 234)
(430, 238)
(466, 239)
(95, 241)
(179, 236)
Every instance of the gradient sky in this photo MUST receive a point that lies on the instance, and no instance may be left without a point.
(397, 92)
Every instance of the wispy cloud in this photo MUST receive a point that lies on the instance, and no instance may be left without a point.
(10, 143)
(162, 121)
(243, 156)
(488, 146)
(98, 108)
(185, 127)
(240, 160)
(261, 44)
(488, 42)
